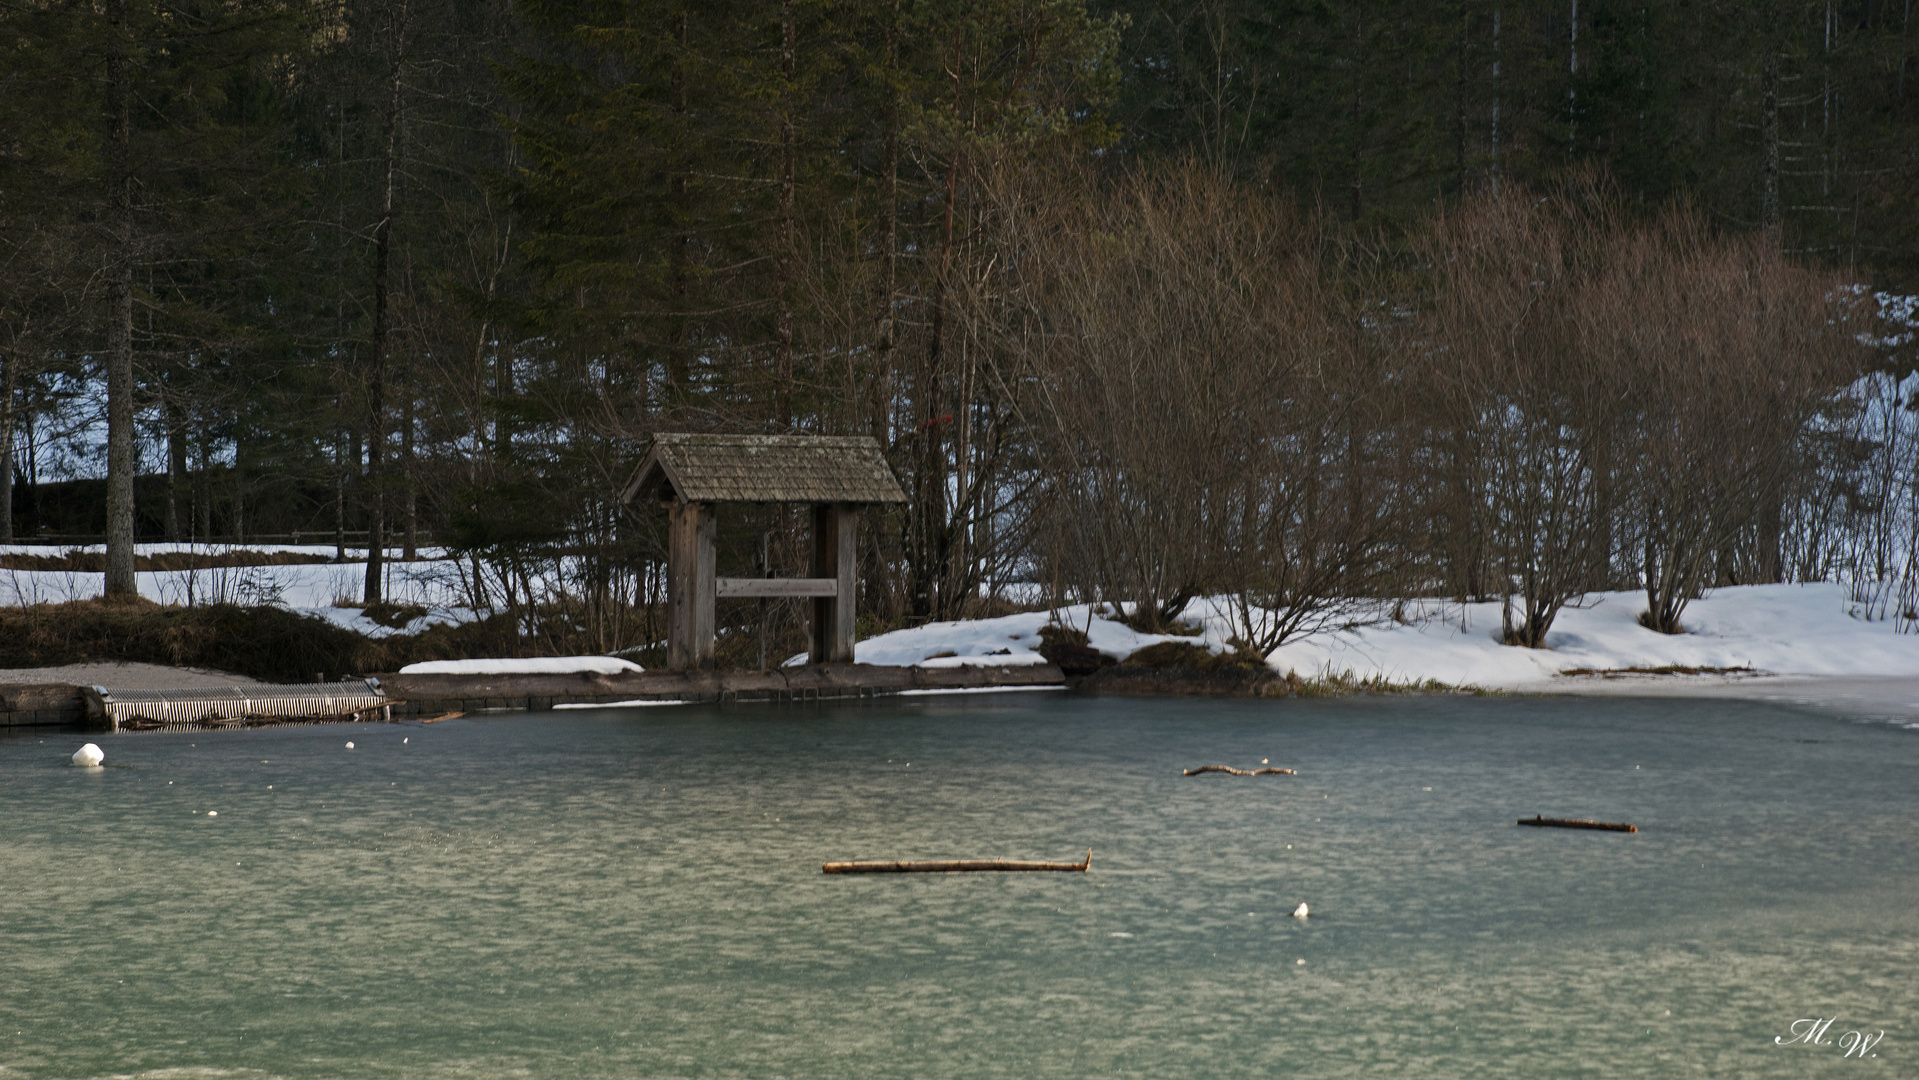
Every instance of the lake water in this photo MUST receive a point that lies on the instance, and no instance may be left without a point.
(638, 893)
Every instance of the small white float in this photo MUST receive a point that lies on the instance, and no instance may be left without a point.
(88, 757)
(1300, 912)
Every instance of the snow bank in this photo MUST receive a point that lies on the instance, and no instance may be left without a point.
(318, 589)
(301, 585)
(354, 551)
(1009, 641)
(975, 690)
(543, 665)
(1778, 629)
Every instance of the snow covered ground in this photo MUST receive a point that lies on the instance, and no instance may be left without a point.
(1007, 641)
(539, 665)
(1775, 629)
(318, 589)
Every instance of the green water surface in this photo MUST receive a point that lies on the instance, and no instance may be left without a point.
(637, 893)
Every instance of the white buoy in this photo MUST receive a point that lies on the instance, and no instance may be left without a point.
(1300, 912)
(213, 813)
(349, 746)
(88, 757)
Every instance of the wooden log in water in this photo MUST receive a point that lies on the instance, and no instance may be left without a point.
(448, 716)
(1578, 823)
(1241, 772)
(950, 866)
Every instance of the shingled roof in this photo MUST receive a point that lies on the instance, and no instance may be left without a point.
(766, 468)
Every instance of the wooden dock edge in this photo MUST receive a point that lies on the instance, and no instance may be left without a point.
(24, 705)
(433, 695)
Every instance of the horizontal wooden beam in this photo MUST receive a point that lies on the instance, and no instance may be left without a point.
(778, 586)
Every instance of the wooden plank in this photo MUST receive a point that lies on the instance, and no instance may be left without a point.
(1274, 771)
(438, 691)
(949, 866)
(797, 586)
(1578, 823)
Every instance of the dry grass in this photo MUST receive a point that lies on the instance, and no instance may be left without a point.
(1346, 684)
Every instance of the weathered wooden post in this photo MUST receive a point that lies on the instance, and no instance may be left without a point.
(691, 558)
(692, 474)
(835, 531)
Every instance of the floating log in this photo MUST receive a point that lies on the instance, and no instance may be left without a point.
(448, 716)
(950, 866)
(1578, 823)
(1241, 772)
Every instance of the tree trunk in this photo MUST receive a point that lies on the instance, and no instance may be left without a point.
(120, 581)
(1769, 149)
(176, 462)
(929, 478)
(203, 500)
(9, 376)
(789, 158)
(375, 494)
(1461, 63)
(339, 500)
(239, 522)
(410, 505)
(1492, 155)
(1572, 80)
(880, 399)
(676, 373)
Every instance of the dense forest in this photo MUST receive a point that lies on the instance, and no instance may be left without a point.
(1302, 303)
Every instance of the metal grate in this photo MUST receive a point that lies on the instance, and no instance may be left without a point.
(221, 704)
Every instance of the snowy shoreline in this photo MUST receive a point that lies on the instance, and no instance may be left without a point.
(1800, 643)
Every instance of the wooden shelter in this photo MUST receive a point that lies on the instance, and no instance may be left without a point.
(691, 474)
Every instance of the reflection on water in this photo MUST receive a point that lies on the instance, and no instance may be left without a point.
(627, 894)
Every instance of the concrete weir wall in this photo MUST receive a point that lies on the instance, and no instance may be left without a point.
(24, 705)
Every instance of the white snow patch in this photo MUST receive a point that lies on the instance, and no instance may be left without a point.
(639, 703)
(1008, 641)
(976, 690)
(1770, 629)
(541, 665)
(1774, 629)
